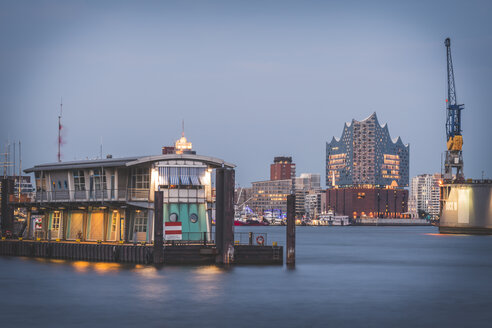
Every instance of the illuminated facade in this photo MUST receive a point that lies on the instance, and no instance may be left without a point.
(112, 199)
(270, 195)
(365, 155)
(425, 194)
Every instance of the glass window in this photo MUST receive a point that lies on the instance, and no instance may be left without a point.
(141, 178)
(140, 221)
(114, 219)
(79, 180)
(55, 225)
(99, 179)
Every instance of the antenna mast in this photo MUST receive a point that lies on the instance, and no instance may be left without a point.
(59, 130)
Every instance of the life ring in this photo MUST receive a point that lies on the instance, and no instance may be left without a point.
(260, 240)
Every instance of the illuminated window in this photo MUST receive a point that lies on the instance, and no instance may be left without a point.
(55, 224)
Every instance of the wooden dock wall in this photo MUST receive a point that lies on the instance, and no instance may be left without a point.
(141, 254)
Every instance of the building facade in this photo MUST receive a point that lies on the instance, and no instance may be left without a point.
(113, 199)
(425, 194)
(282, 168)
(358, 202)
(270, 195)
(365, 155)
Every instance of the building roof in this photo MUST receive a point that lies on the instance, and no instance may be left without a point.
(211, 161)
(127, 161)
(81, 164)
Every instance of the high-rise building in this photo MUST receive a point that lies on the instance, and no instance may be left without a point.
(282, 168)
(365, 155)
(306, 184)
(424, 194)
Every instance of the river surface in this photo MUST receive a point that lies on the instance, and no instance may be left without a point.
(344, 277)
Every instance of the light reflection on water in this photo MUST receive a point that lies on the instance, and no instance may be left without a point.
(344, 277)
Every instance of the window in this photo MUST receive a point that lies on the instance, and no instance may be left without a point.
(65, 184)
(140, 221)
(141, 178)
(193, 218)
(99, 179)
(114, 219)
(59, 184)
(55, 224)
(79, 180)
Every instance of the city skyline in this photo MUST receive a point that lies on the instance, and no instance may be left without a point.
(252, 81)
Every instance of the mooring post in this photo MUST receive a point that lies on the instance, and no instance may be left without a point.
(291, 230)
(158, 228)
(7, 209)
(224, 223)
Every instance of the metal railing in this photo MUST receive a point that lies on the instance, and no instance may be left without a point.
(251, 238)
(191, 238)
(71, 195)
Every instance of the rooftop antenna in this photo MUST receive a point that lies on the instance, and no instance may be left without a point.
(101, 149)
(59, 130)
(183, 128)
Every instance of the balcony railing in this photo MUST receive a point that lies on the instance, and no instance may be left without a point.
(128, 194)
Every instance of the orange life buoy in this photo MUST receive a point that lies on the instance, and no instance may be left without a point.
(260, 240)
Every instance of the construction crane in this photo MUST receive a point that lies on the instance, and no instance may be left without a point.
(454, 156)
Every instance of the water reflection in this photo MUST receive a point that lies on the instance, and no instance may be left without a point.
(207, 282)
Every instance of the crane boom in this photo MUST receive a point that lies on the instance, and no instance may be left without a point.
(454, 139)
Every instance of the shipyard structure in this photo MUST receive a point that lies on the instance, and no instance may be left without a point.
(367, 171)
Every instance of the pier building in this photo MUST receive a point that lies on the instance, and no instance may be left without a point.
(112, 199)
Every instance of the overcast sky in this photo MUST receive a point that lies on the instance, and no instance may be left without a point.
(252, 79)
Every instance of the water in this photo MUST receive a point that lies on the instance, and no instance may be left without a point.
(344, 277)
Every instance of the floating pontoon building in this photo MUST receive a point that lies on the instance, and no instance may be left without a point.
(112, 199)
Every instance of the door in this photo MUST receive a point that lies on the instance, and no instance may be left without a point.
(56, 221)
(76, 226)
(96, 229)
(113, 225)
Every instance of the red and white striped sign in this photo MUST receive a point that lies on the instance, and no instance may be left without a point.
(173, 231)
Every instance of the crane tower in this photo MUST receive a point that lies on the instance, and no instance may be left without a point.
(454, 139)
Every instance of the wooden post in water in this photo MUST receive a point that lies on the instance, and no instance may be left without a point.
(158, 228)
(224, 215)
(291, 230)
(7, 187)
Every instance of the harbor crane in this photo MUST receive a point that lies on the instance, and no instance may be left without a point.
(454, 155)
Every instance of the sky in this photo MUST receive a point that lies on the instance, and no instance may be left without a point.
(252, 79)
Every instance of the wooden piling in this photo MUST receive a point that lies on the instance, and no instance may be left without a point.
(291, 230)
(224, 223)
(158, 228)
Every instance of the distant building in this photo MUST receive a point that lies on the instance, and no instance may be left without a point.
(270, 195)
(424, 194)
(307, 184)
(366, 171)
(282, 168)
(314, 203)
(368, 202)
(365, 155)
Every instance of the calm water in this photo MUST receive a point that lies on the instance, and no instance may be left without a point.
(345, 277)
